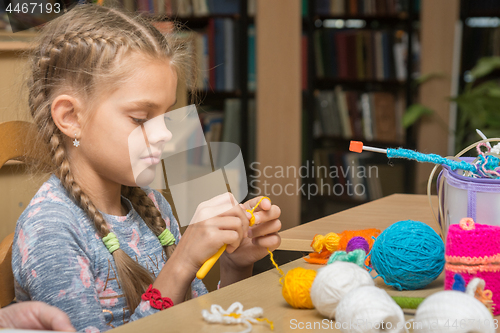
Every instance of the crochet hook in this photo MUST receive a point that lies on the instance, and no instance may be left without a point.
(207, 266)
(358, 147)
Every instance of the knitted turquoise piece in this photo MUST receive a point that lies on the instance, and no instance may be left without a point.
(432, 158)
(166, 238)
(111, 242)
(356, 257)
(408, 255)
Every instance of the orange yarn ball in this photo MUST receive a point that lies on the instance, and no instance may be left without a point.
(297, 287)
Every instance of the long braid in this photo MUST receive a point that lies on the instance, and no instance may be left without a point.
(133, 277)
(74, 54)
(148, 211)
(146, 208)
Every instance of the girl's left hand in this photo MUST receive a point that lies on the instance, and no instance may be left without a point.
(261, 236)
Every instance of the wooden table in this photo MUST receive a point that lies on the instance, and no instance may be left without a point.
(264, 290)
(378, 214)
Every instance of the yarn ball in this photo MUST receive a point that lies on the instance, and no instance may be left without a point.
(328, 242)
(296, 287)
(369, 309)
(408, 255)
(357, 242)
(333, 282)
(367, 234)
(452, 311)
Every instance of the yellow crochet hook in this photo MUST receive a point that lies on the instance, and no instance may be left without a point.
(207, 266)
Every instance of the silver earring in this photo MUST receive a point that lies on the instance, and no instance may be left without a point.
(76, 143)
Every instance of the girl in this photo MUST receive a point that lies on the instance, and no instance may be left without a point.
(91, 242)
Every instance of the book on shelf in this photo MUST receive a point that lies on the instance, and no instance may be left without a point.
(189, 8)
(351, 114)
(356, 178)
(352, 54)
(223, 125)
(345, 122)
(327, 114)
(216, 51)
(363, 7)
(252, 66)
(220, 44)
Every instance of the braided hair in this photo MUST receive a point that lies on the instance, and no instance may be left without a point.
(76, 53)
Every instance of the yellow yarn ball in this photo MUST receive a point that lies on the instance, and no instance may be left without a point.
(330, 242)
(297, 286)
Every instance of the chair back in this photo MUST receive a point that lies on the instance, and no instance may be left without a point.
(17, 140)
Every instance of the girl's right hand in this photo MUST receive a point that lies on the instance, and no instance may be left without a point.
(216, 222)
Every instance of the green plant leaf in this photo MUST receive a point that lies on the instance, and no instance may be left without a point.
(414, 113)
(427, 77)
(485, 66)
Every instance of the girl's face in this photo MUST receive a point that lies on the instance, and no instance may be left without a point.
(105, 147)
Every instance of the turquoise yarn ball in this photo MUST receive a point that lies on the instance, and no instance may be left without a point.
(408, 255)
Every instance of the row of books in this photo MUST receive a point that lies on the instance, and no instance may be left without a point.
(224, 125)
(370, 116)
(363, 54)
(217, 56)
(481, 42)
(362, 7)
(362, 177)
(188, 8)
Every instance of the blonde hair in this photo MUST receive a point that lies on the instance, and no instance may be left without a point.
(82, 53)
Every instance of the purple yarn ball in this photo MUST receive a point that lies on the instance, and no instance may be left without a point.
(357, 242)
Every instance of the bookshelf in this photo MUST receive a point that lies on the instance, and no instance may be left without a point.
(356, 55)
(480, 22)
(221, 32)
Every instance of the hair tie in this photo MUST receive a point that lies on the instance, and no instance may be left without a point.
(166, 238)
(111, 242)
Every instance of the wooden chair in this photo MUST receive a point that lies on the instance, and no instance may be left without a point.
(17, 138)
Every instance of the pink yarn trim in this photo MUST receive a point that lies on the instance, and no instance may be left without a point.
(471, 269)
(473, 260)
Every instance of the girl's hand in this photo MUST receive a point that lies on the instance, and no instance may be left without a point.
(216, 222)
(262, 235)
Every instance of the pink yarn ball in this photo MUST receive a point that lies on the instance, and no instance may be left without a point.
(357, 242)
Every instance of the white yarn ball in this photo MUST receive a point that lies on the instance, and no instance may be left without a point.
(369, 309)
(334, 281)
(453, 311)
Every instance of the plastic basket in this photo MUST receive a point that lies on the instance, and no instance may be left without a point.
(460, 196)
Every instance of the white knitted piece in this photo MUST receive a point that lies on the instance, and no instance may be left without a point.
(473, 285)
(220, 316)
(496, 149)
